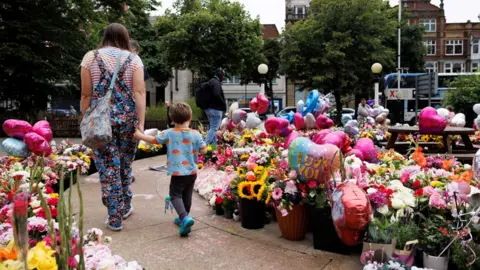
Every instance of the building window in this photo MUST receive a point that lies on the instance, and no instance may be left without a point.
(454, 47)
(475, 66)
(300, 12)
(431, 67)
(233, 80)
(430, 25)
(454, 67)
(475, 46)
(430, 46)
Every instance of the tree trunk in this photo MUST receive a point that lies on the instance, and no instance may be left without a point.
(338, 102)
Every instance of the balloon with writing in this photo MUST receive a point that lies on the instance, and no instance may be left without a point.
(313, 161)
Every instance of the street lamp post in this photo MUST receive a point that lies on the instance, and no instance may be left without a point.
(262, 70)
(377, 69)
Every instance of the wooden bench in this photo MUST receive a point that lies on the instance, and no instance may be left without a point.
(407, 144)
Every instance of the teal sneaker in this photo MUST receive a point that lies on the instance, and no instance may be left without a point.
(177, 221)
(186, 226)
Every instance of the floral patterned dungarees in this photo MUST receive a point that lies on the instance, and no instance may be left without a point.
(114, 160)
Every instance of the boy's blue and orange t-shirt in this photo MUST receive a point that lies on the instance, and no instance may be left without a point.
(183, 146)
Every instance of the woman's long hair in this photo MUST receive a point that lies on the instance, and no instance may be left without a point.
(116, 35)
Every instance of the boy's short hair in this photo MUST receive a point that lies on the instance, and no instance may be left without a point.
(135, 46)
(180, 112)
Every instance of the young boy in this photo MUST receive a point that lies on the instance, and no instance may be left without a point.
(183, 145)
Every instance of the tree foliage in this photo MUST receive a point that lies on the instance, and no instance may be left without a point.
(334, 48)
(220, 33)
(464, 94)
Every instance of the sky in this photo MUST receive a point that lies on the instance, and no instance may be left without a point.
(273, 11)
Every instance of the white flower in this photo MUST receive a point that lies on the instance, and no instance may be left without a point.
(35, 203)
(371, 190)
(397, 203)
(212, 201)
(383, 210)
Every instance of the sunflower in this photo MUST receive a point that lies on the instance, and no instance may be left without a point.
(244, 190)
(247, 137)
(260, 191)
(258, 170)
(256, 188)
(200, 166)
(244, 157)
(269, 197)
(425, 138)
(241, 172)
(264, 176)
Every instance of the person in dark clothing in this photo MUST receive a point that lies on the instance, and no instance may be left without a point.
(217, 105)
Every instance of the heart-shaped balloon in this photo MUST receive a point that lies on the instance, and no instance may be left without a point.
(254, 104)
(290, 139)
(37, 144)
(309, 121)
(367, 147)
(16, 128)
(476, 108)
(324, 122)
(286, 131)
(356, 153)
(298, 121)
(318, 137)
(224, 124)
(230, 126)
(15, 148)
(311, 103)
(459, 120)
(313, 161)
(232, 110)
(300, 106)
(240, 126)
(238, 116)
(337, 138)
(253, 121)
(430, 122)
(263, 103)
(43, 129)
(275, 125)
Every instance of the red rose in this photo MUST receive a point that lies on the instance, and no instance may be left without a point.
(20, 207)
(41, 213)
(52, 201)
(52, 166)
(416, 184)
(419, 192)
(219, 200)
(54, 212)
(49, 190)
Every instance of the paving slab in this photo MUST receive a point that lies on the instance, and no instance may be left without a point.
(150, 237)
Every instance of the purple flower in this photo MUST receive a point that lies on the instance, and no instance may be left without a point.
(378, 199)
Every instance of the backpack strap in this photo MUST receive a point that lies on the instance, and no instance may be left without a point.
(115, 74)
(125, 65)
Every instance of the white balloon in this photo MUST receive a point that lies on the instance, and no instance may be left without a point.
(224, 123)
(300, 106)
(232, 109)
(444, 113)
(477, 122)
(386, 111)
(253, 121)
(459, 120)
(310, 122)
(476, 108)
(151, 132)
(238, 116)
(370, 120)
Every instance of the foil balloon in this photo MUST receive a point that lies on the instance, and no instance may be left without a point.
(323, 122)
(477, 122)
(238, 116)
(37, 144)
(224, 124)
(350, 212)
(253, 121)
(284, 132)
(275, 125)
(300, 106)
(377, 111)
(476, 165)
(254, 105)
(476, 108)
(16, 128)
(230, 126)
(240, 126)
(459, 120)
(318, 137)
(444, 113)
(351, 128)
(346, 118)
(310, 121)
(43, 129)
(311, 103)
(370, 120)
(367, 147)
(15, 148)
(356, 153)
(429, 121)
(262, 103)
(298, 121)
(292, 136)
(232, 109)
(289, 116)
(320, 105)
(337, 138)
(313, 161)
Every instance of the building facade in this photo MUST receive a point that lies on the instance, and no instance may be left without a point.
(179, 87)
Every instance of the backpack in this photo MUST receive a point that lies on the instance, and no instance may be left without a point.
(201, 95)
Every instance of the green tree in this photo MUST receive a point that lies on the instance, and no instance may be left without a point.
(41, 44)
(334, 48)
(465, 94)
(218, 34)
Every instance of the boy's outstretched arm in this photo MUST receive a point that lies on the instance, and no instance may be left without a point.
(140, 136)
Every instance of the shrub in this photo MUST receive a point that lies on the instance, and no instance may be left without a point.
(159, 112)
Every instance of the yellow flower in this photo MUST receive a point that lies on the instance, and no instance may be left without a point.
(257, 190)
(269, 196)
(41, 257)
(268, 141)
(54, 195)
(258, 170)
(209, 148)
(247, 137)
(200, 166)
(241, 171)
(264, 176)
(54, 157)
(260, 192)
(245, 190)
(424, 138)
(87, 160)
(11, 265)
(437, 184)
(244, 157)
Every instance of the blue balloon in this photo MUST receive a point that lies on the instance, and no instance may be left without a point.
(15, 148)
(311, 104)
(346, 118)
(288, 116)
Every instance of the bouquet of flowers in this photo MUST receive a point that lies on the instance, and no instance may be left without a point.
(251, 183)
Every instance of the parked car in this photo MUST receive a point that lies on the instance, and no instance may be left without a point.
(333, 114)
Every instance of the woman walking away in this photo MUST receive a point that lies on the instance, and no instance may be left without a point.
(113, 66)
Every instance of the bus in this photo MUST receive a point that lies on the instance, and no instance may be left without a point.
(401, 102)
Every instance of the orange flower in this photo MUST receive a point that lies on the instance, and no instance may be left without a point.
(447, 164)
(7, 254)
(251, 176)
(464, 176)
(419, 157)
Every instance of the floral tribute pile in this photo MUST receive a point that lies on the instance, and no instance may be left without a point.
(430, 200)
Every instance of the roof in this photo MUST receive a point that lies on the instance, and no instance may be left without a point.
(270, 31)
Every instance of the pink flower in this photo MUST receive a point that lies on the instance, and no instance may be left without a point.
(292, 175)
(436, 201)
(429, 191)
(312, 184)
(229, 169)
(284, 164)
(405, 177)
(228, 152)
(251, 166)
(220, 159)
(277, 194)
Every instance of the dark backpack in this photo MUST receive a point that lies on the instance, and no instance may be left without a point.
(201, 95)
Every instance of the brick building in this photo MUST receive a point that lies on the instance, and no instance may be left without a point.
(451, 47)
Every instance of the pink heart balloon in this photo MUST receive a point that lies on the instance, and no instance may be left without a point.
(275, 125)
(37, 144)
(318, 137)
(238, 116)
(254, 105)
(298, 121)
(309, 121)
(16, 128)
(337, 138)
(230, 126)
(262, 100)
(429, 121)
(367, 148)
(324, 122)
(356, 153)
(286, 131)
(290, 138)
(43, 129)
(262, 109)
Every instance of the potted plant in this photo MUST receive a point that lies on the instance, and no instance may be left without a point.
(219, 205)
(434, 239)
(229, 202)
(380, 235)
(290, 211)
(406, 237)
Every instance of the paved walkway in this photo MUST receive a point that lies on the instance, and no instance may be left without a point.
(150, 237)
